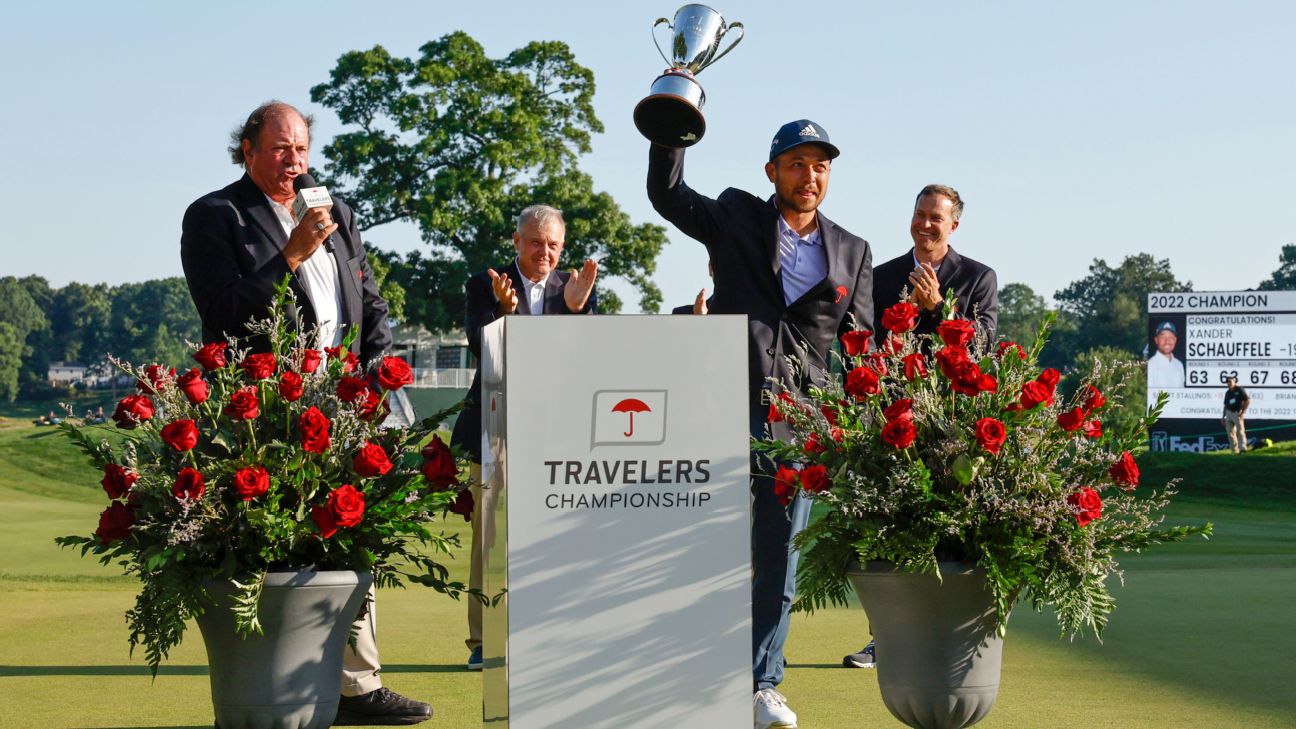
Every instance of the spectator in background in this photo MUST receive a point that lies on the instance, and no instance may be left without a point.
(1236, 402)
(702, 304)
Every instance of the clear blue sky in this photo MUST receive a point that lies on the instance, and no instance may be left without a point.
(1074, 131)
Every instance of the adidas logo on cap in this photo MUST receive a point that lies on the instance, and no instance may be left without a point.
(809, 131)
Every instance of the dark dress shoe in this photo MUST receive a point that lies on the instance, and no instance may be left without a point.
(381, 706)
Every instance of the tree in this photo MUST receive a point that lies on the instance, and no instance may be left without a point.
(458, 143)
(1109, 306)
(1021, 311)
(11, 346)
(151, 322)
(80, 319)
(27, 326)
(1284, 278)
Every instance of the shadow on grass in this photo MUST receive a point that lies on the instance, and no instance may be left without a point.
(174, 670)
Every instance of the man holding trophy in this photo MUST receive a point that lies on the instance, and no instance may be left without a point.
(799, 278)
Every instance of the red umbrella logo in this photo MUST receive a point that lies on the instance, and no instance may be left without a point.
(631, 405)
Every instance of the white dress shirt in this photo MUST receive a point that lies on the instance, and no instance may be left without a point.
(1164, 373)
(534, 291)
(319, 276)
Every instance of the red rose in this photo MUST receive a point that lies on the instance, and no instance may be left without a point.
(371, 461)
(1071, 419)
(1033, 393)
(1093, 398)
(785, 484)
(181, 435)
(1049, 377)
(1006, 346)
(915, 366)
(812, 446)
(243, 404)
(901, 317)
(990, 434)
(350, 389)
(899, 433)
(1087, 504)
(861, 382)
(347, 505)
(1125, 472)
(324, 521)
(815, 479)
(878, 363)
(211, 356)
(463, 505)
(258, 366)
(155, 378)
(1093, 429)
(193, 386)
(115, 523)
(117, 480)
(899, 409)
(829, 414)
(310, 360)
(893, 344)
(348, 358)
(439, 467)
(251, 482)
(775, 413)
(367, 406)
(956, 332)
(857, 342)
(132, 410)
(314, 427)
(968, 380)
(951, 360)
(837, 434)
(290, 386)
(188, 485)
(394, 373)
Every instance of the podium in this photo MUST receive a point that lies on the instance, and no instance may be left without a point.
(615, 501)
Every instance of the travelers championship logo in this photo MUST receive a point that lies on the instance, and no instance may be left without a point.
(629, 417)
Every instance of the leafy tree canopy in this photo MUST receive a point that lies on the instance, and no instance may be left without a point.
(1109, 306)
(1284, 277)
(458, 143)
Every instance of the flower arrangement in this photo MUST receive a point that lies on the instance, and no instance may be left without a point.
(940, 448)
(264, 461)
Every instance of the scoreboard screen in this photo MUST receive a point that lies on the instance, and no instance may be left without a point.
(1198, 340)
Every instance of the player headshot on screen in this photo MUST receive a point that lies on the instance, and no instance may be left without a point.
(1164, 370)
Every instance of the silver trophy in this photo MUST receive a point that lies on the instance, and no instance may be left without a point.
(671, 114)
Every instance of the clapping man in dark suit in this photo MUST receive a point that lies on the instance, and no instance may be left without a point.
(531, 285)
(802, 280)
(932, 267)
(237, 244)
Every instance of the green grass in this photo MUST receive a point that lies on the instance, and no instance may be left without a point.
(1202, 636)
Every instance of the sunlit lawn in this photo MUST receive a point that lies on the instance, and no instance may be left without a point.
(1202, 637)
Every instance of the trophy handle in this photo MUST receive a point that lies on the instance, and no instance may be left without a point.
(741, 34)
(656, 42)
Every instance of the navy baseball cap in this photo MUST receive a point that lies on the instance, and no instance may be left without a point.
(801, 131)
(1167, 326)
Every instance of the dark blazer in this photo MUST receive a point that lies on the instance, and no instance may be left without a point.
(479, 310)
(740, 232)
(976, 290)
(230, 249)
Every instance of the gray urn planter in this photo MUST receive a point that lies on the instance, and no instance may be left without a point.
(938, 648)
(290, 676)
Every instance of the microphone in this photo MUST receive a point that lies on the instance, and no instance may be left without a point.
(311, 195)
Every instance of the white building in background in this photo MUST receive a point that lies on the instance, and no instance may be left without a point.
(66, 373)
(443, 367)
